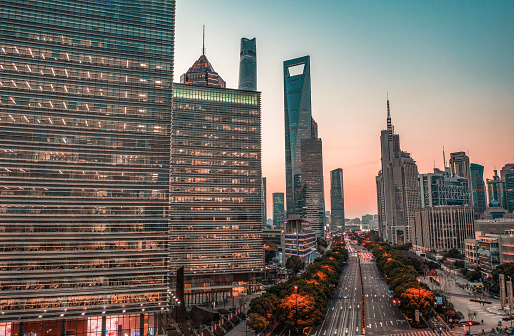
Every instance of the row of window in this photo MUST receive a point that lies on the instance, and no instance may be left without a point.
(68, 89)
(103, 76)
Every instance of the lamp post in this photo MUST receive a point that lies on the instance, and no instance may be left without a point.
(296, 308)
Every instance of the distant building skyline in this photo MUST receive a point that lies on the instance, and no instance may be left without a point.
(436, 95)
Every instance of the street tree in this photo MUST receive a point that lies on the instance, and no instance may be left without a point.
(295, 264)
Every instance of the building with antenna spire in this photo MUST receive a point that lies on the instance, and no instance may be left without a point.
(216, 197)
(397, 188)
(202, 72)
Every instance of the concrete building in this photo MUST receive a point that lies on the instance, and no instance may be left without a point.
(85, 120)
(298, 239)
(264, 204)
(442, 228)
(337, 200)
(470, 253)
(507, 247)
(493, 226)
(489, 251)
(397, 188)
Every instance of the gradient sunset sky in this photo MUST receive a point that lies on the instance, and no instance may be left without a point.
(448, 67)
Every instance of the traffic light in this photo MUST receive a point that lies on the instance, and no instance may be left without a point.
(394, 302)
(399, 302)
(474, 314)
(470, 323)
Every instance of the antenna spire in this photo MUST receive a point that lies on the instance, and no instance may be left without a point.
(389, 124)
(444, 160)
(203, 41)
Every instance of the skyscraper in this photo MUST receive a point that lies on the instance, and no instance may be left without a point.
(264, 204)
(389, 143)
(507, 176)
(301, 130)
(248, 65)
(397, 188)
(216, 188)
(298, 124)
(496, 191)
(478, 187)
(337, 199)
(461, 166)
(313, 199)
(85, 118)
(278, 210)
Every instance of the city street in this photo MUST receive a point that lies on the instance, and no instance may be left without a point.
(382, 317)
(344, 311)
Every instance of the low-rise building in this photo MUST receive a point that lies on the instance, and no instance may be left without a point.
(442, 228)
(488, 253)
(298, 238)
(470, 253)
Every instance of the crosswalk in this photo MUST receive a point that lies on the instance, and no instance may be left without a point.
(417, 333)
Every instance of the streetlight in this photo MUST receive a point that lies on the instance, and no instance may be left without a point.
(296, 309)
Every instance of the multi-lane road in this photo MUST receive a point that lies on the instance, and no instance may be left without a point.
(344, 315)
(382, 317)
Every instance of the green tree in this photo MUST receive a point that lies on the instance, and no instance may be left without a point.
(257, 322)
(294, 263)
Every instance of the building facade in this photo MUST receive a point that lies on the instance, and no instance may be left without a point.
(478, 186)
(248, 65)
(439, 188)
(337, 200)
(264, 204)
(507, 177)
(278, 210)
(313, 191)
(397, 191)
(298, 240)
(496, 191)
(403, 197)
(85, 117)
(442, 228)
(303, 182)
(215, 191)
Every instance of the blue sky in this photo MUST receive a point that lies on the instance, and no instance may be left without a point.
(448, 67)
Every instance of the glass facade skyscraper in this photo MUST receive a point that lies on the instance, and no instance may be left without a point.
(337, 199)
(478, 187)
(215, 191)
(85, 117)
(278, 210)
(303, 197)
(248, 65)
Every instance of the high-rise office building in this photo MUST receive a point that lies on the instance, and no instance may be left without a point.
(478, 187)
(337, 199)
(440, 188)
(389, 143)
(216, 189)
(264, 203)
(461, 166)
(442, 228)
(302, 132)
(507, 177)
(496, 191)
(85, 117)
(278, 210)
(403, 197)
(298, 124)
(313, 199)
(248, 65)
(397, 188)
